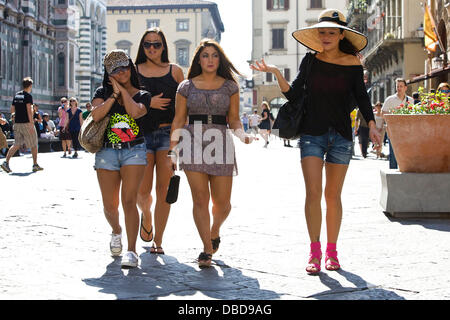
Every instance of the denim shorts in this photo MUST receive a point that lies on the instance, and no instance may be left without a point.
(114, 159)
(331, 147)
(158, 140)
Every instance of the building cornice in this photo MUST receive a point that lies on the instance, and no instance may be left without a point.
(212, 7)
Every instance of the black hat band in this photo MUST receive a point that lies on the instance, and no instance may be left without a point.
(333, 19)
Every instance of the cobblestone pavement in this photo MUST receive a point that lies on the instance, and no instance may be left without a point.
(54, 239)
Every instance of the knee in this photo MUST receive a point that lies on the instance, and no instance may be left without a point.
(129, 202)
(332, 196)
(201, 201)
(224, 206)
(314, 195)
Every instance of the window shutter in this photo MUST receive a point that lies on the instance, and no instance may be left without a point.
(269, 4)
(286, 4)
(287, 74)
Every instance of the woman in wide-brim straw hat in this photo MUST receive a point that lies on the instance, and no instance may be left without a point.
(335, 77)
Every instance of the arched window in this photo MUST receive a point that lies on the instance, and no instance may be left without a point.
(125, 45)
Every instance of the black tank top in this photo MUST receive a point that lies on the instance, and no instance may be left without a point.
(157, 85)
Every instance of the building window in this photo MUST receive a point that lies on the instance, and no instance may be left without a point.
(183, 56)
(61, 1)
(125, 45)
(315, 4)
(277, 38)
(123, 25)
(277, 4)
(182, 52)
(61, 70)
(152, 23)
(71, 67)
(287, 74)
(182, 24)
(269, 77)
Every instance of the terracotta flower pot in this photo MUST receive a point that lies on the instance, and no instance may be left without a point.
(421, 143)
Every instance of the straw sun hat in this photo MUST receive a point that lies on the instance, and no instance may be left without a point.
(330, 18)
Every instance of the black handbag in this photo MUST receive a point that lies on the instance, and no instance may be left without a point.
(172, 191)
(288, 123)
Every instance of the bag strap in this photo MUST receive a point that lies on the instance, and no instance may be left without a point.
(308, 68)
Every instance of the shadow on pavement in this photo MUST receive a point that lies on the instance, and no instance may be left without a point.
(162, 276)
(362, 290)
(432, 223)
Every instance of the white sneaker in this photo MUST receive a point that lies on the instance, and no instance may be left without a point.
(116, 244)
(130, 260)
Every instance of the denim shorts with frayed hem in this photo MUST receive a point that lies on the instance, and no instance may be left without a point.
(330, 147)
(158, 140)
(114, 159)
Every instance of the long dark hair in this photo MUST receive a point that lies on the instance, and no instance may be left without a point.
(347, 47)
(141, 57)
(134, 79)
(226, 68)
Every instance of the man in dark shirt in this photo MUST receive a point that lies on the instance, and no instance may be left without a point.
(24, 130)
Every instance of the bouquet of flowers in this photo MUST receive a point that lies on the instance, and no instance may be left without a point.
(430, 103)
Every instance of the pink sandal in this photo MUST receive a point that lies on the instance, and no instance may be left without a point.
(331, 253)
(315, 253)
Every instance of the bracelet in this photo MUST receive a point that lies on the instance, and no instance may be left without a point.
(115, 95)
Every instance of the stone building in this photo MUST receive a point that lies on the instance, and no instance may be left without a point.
(436, 68)
(59, 43)
(184, 23)
(396, 48)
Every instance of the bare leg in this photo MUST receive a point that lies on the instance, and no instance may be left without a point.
(200, 196)
(220, 196)
(131, 180)
(312, 174)
(144, 199)
(109, 182)
(335, 175)
(162, 208)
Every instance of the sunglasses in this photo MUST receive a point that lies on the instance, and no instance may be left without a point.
(119, 69)
(156, 45)
(445, 91)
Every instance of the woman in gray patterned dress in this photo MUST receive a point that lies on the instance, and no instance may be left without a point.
(210, 97)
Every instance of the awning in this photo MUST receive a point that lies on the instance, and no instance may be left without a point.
(432, 74)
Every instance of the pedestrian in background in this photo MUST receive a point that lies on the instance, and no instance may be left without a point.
(389, 105)
(64, 134)
(326, 137)
(362, 131)
(444, 88)
(244, 120)
(381, 127)
(24, 130)
(88, 110)
(264, 125)
(210, 97)
(120, 164)
(254, 120)
(74, 124)
(160, 78)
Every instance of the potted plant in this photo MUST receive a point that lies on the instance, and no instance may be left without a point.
(420, 134)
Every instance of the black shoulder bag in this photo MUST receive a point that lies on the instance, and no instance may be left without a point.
(288, 123)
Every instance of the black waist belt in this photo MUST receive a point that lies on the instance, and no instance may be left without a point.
(208, 119)
(124, 145)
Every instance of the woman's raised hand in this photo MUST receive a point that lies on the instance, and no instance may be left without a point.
(263, 67)
(158, 102)
(116, 86)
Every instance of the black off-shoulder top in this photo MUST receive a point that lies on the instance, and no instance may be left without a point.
(333, 92)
